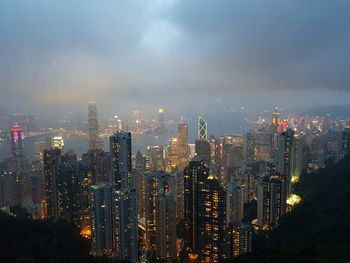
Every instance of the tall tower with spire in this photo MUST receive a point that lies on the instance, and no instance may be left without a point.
(93, 126)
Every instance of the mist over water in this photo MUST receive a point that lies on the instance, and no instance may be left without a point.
(219, 123)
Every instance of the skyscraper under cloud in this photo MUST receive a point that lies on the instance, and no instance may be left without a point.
(17, 140)
(93, 126)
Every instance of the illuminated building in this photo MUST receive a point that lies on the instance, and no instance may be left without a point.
(289, 157)
(136, 120)
(240, 239)
(212, 221)
(262, 146)
(183, 149)
(85, 183)
(235, 202)
(156, 183)
(205, 208)
(52, 169)
(103, 220)
(183, 155)
(275, 120)
(232, 152)
(214, 148)
(179, 181)
(202, 129)
(233, 159)
(68, 185)
(63, 175)
(93, 126)
(272, 198)
(194, 177)
(100, 164)
(296, 161)
(172, 155)
(120, 148)
(127, 225)
(282, 127)
(161, 121)
(166, 227)
(57, 142)
(7, 182)
(155, 155)
(17, 142)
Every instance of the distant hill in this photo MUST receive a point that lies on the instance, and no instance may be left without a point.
(333, 110)
(318, 230)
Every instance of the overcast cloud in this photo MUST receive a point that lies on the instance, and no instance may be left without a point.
(140, 54)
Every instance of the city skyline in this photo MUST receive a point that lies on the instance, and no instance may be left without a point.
(174, 131)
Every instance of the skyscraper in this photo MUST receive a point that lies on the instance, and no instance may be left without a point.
(212, 221)
(62, 179)
(183, 149)
(240, 239)
(52, 169)
(194, 177)
(17, 141)
(156, 184)
(202, 129)
(100, 164)
(214, 150)
(183, 155)
(296, 162)
(275, 120)
(127, 225)
(155, 155)
(172, 156)
(272, 196)
(93, 126)
(205, 213)
(57, 142)
(104, 238)
(288, 151)
(202, 149)
(166, 226)
(235, 202)
(161, 121)
(120, 148)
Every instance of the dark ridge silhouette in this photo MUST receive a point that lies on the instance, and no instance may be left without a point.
(318, 229)
(23, 240)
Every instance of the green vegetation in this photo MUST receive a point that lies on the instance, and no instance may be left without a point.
(318, 229)
(23, 240)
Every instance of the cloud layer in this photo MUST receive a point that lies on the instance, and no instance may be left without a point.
(126, 54)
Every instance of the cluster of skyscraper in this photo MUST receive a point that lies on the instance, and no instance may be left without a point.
(129, 206)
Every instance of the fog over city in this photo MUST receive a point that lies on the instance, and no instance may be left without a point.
(56, 56)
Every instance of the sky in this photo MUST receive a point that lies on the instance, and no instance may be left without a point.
(134, 54)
